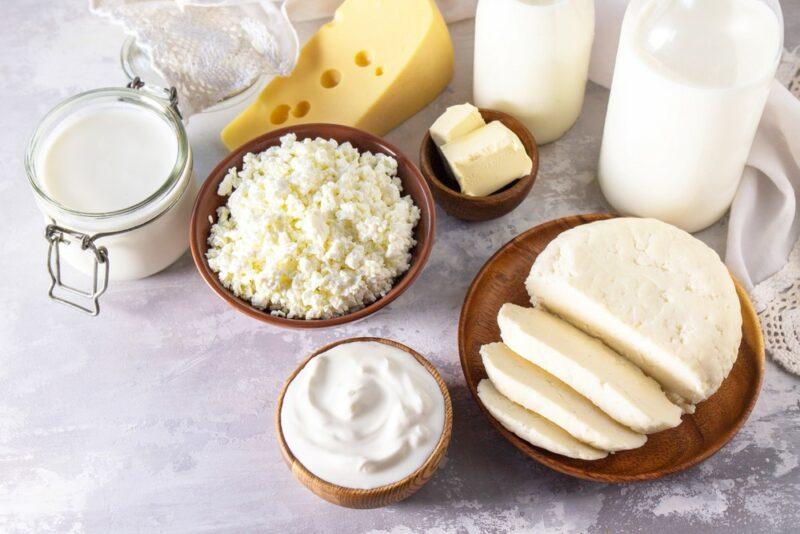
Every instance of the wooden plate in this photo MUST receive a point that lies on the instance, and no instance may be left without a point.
(700, 435)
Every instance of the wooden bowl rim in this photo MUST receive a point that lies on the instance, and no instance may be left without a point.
(436, 454)
(521, 186)
(556, 464)
(404, 281)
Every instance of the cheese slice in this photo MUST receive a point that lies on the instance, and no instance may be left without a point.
(610, 381)
(540, 392)
(455, 122)
(650, 291)
(487, 159)
(373, 66)
(533, 428)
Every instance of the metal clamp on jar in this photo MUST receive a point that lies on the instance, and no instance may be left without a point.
(111, 170)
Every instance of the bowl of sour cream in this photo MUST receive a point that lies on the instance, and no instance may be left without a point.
(364, 422)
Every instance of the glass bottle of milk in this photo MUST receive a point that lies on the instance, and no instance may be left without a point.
(690, 84)
(532, 61)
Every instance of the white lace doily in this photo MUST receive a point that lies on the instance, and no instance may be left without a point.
(208, 49)
(777, 299)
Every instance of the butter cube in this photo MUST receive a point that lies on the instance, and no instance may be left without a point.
(454, 122)
(487, 159)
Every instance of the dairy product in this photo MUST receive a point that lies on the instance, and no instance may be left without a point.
(487, 159)
(533, 428)
(312, 229)
(372, 67)
(652, 292)
(455, 122)
(362, 415)
(118, 163)
(108, 158)
(540, 392)
(610, 381)
(532, 61)
(690, 84)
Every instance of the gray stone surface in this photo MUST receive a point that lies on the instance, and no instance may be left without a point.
(158, 415)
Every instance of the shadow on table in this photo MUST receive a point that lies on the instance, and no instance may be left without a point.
(482, 467)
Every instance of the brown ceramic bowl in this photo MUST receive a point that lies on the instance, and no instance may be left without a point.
(697, 438)
(384, 495)
(447, 192)
(413, 184)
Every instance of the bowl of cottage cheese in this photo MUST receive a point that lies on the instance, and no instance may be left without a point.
(312, 226)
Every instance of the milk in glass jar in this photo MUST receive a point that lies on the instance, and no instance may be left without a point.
(111, 170)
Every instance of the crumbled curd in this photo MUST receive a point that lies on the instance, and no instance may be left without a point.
(312, 229)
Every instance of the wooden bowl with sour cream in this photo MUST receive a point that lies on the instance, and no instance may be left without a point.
(380, 496)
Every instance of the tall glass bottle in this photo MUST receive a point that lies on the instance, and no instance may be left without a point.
(690, 84)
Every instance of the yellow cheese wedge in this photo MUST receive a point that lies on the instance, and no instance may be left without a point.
(373, 66)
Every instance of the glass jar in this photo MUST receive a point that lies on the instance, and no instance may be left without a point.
(139, 239)
(136, 64)
(532, 61)
(690, 84)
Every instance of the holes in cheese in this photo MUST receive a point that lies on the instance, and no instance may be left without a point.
(280, 114)
(378, 64)
(330, 78)
(301, 109)
(363, 59)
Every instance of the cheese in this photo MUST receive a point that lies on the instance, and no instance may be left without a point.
(533, 428)
(610, 381)
(653, 293)
(540, 392)
(455, 122)
(373, 66)
(487, 159)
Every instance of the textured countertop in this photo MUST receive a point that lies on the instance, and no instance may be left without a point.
(158, 415)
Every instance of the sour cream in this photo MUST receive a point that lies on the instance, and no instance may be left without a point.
(362, 415)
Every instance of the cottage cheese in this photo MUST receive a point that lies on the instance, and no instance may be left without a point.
(312, 229)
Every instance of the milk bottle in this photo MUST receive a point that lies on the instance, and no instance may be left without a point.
(690, 84)
(532, 60)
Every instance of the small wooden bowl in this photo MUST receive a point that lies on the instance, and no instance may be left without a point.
(447, 192)
(700, 435)
(413, 184)
(384, 495)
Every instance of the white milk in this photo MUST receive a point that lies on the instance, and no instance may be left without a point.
(108, 158)
(115, 163)
(690, 84)
(532, 60)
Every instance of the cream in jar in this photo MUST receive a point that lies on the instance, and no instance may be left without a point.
(362, 415)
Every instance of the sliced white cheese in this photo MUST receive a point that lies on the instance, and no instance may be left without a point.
(611, 382)
(533, 428)
(540, 392)
(652, 292)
